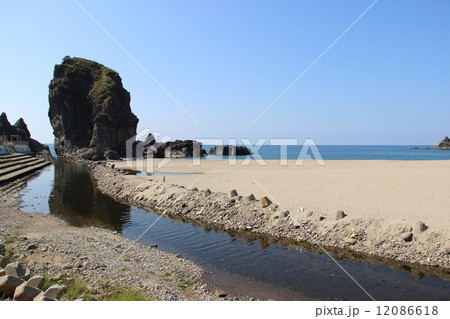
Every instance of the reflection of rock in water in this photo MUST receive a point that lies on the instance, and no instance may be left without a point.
(76, 199)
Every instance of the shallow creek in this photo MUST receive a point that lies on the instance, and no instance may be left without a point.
(241, 265)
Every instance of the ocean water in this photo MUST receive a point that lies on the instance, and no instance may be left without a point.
(346, 152)
(355, 152)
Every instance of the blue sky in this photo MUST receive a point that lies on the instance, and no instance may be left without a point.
(387, 81)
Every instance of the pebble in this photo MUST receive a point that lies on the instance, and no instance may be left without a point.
(350, 241)
(220, 293)
(408, 236)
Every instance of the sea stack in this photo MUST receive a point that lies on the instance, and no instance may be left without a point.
(89, 110)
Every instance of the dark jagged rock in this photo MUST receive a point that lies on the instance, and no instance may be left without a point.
(89, 110)
(443, 145)
(187, 148)
(230, 150)
(178, 148)
(5, 127)
(21, 129)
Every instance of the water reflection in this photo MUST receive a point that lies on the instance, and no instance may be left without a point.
(240, 262)
(76, 199)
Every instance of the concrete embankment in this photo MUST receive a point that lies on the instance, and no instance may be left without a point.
(14, 166)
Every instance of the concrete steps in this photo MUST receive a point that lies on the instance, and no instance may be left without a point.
(14, 166)
(14, 163)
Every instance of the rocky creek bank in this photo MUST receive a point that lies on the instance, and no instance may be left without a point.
(411, 245)
(100, 261)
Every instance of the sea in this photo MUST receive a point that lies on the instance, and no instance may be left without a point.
(344, 152)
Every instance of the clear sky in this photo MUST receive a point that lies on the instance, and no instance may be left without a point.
(386, 81)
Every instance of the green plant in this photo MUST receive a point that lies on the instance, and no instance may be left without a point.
(167, 276)
(123, 294)
(126, 257)
(10, 239)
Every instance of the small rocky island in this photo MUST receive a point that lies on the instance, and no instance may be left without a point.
(230, 150)
(174, 149)
(89, 111)
(443, 145)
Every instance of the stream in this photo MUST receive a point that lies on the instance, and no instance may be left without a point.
(241, 265)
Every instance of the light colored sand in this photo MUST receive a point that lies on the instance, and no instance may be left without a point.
(394, 191)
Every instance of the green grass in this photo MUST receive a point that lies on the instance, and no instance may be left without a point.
(123, 294)
(126, 257)
(10, 239)
(167, 276)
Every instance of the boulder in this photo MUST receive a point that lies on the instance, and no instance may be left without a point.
(233, 193)
(350, 241)
(2, 272)
(89, 110)
(2, 249)
(220, 293)
(340, 214)
(249, 198)
(26, 293)
(420, 227)
(265, 202)
(230, 150)
(284, 214)
(8, 285)
(408, 236)
(206, 193)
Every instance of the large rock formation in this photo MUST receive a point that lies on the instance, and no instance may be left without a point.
(230, 150)
(21, 129)
(89, 110)
(443, 145)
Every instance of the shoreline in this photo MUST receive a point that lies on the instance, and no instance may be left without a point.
(353, 235)
(101, 259)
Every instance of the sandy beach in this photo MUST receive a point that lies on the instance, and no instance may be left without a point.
(395, 192)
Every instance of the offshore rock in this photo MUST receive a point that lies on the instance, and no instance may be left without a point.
(89, 110)
(230, 150)
(443, 145)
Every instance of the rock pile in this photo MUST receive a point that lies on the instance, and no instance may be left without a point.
(16, 283)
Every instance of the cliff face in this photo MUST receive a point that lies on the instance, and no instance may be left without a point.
(89, 110)
(21, 129)
(443, 145)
